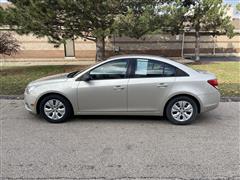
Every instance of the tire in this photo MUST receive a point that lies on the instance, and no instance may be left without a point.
(57, 107)
(181, 110)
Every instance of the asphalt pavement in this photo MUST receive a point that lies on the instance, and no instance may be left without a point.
(119, 147)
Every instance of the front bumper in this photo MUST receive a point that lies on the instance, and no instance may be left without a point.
(30, 103)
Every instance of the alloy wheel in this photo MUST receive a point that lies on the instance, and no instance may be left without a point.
(54, 109)
(182, 111)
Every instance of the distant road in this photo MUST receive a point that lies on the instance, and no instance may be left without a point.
(220, 58)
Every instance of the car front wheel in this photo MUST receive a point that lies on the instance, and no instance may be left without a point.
(181, 110)
(55, 109)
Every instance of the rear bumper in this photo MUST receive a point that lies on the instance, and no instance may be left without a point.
(209, 101)
(210, 107)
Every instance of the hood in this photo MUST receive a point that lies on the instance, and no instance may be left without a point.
(50, 79)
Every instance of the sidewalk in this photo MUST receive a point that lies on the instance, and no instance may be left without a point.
(206, 58)
(42, 62)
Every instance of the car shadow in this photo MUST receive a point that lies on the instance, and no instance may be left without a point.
(117, 118)
(201, 119)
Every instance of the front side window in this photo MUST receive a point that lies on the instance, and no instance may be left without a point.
(152, 68)
(112, 70)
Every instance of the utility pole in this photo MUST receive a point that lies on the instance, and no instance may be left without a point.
(183, 39)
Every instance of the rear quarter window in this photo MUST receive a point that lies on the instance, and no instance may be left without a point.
(181, 73)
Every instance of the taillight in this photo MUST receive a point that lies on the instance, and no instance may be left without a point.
(213, 82)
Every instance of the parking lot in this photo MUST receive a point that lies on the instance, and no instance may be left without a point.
(100, 147)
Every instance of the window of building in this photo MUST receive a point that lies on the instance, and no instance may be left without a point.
(69, 48)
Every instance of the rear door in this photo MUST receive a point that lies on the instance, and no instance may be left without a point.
(150, 82)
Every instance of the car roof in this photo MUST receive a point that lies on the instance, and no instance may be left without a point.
(151, 57)
(135, 56)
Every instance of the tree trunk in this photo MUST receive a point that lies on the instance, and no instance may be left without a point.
(100, 48)
(197, 45)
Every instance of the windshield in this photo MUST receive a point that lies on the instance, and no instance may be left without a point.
(75, 73)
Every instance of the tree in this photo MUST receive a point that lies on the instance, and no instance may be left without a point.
(172, 16)
(61, 20)
(208, 15)
(151, 17)
(8, 44)
(1, 16)
(238, 7)
(140, 18)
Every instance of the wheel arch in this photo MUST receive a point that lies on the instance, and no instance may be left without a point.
(48, 94)
(196, 100)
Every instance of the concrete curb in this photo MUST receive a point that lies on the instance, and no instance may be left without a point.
(20, 97)
(230, 99)
(12, 97)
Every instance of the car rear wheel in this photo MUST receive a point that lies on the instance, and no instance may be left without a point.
(55, 109)
(181, 110)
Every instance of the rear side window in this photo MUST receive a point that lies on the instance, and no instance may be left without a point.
(152, 68)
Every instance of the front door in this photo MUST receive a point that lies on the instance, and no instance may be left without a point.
(107, 89)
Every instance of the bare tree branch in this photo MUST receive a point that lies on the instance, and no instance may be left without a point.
(8, 44)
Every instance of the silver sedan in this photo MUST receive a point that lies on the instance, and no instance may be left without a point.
(126, 85)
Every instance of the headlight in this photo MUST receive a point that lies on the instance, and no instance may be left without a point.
(29, 89)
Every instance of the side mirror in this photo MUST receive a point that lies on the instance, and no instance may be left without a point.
(86, 77)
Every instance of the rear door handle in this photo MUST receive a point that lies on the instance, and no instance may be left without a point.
(162, 85)
(118, 87)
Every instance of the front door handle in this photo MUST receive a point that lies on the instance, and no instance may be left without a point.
(162, 85)
(118, 87)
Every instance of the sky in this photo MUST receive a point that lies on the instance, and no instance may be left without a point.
(232, 2)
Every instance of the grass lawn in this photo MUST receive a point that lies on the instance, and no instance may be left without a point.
(13, 80)
(228, 74)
